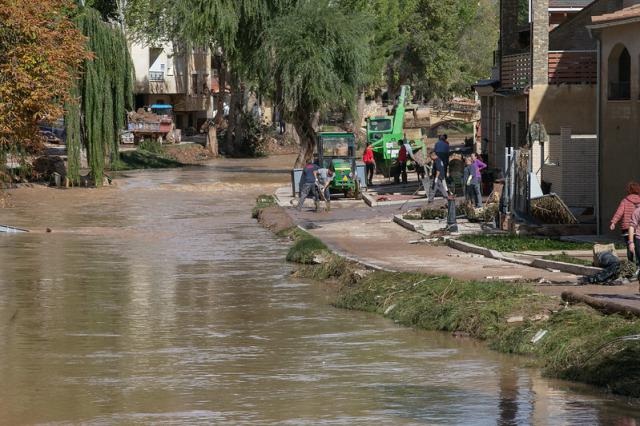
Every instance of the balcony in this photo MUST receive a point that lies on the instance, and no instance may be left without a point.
(515, 71)
(567, 67)
(156, 76)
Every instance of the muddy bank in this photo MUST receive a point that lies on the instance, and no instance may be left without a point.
(568, 342)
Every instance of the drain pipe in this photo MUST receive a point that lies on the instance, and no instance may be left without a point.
(598, 136)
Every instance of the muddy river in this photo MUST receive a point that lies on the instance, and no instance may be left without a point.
(161, 301)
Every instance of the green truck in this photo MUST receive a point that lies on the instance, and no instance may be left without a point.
(383, 133)
(337, 151)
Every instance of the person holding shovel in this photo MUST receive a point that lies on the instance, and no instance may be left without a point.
(325, 177)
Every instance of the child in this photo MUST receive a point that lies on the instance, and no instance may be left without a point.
(479, 166)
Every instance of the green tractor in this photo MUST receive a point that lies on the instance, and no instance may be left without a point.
(383, 133)
(337, 151)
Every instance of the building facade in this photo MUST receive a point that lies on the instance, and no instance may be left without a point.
(169, 74)
(618, 33)
(544, 74)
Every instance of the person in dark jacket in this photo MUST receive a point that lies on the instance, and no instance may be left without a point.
(439, 178)
(308, 185)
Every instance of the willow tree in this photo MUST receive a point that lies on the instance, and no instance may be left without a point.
(232, 29)
(105, 91)
(318, 53)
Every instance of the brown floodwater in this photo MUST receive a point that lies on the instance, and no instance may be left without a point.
(161, 301)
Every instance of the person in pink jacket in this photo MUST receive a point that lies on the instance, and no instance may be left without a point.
(625, 212)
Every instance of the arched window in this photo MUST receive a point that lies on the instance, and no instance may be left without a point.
(619, 69)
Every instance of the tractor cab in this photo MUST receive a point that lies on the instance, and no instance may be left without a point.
(337, 151)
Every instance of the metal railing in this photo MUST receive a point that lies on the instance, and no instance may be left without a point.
(156, 76)
(515, 71)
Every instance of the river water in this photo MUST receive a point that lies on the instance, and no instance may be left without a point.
(162, 301)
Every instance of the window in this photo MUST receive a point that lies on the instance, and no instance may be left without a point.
(194, 84)
(379, 125)
(522, 129)
(619, 69)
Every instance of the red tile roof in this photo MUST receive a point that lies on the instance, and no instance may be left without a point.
(630, 12)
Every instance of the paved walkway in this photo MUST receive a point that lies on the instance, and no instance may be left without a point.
(369, 235)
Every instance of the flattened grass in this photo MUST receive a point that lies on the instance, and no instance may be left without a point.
(580, 344)
(564, 257)
(513, 242)
(262, 202)
(305, 247)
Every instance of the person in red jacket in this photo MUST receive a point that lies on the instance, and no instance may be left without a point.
(369, 162)
(402, 162)
(625, 210)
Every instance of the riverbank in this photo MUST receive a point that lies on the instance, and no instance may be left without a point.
(568, 342)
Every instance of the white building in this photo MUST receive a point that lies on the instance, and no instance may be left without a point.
(166, 74)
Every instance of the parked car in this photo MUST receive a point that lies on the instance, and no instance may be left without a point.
(50, 137)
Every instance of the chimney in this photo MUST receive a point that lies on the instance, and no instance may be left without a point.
(540, 42)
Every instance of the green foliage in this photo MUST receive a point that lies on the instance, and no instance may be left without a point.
(141, 159)
(107, 93)
(319, 54)
(262, 202)
(514, 242)
(580, 344)
(151, 145)
(304, 249)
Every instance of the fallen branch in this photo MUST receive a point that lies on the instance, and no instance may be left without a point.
(601, 305)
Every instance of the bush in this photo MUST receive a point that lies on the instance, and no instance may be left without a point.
(305, 248)
(151, 145)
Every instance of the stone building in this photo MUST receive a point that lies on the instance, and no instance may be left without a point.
(544, 74)
(618, 33)
(166, 74)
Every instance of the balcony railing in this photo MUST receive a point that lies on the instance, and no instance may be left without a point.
(156, 76)
(515, 71)
(620, 91)
(566, 67)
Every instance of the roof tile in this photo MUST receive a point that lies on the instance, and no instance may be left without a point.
(620, 15)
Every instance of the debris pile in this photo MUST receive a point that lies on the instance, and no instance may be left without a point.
(550, 209)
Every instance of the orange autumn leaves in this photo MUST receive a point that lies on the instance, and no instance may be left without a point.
(41, 53)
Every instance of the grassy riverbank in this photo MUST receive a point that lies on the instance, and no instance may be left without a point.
(577, 343)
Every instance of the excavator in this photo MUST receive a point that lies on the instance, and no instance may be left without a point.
(383, 133)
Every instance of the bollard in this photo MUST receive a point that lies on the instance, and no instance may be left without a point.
(452, 223)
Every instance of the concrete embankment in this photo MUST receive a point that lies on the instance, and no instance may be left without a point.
(573, 342)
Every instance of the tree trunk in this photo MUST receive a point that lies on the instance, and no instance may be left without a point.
(306, 125)
(233, 113)
(357, 125)
(222, 85)
(241, 125)
(212, 139)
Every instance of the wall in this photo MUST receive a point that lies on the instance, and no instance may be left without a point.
(620, 125)
(506, 111)
(571, 168)
(566, 105)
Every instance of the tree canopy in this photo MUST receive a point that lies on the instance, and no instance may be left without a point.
(318, 55)
(106, 93)
(40, 55)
